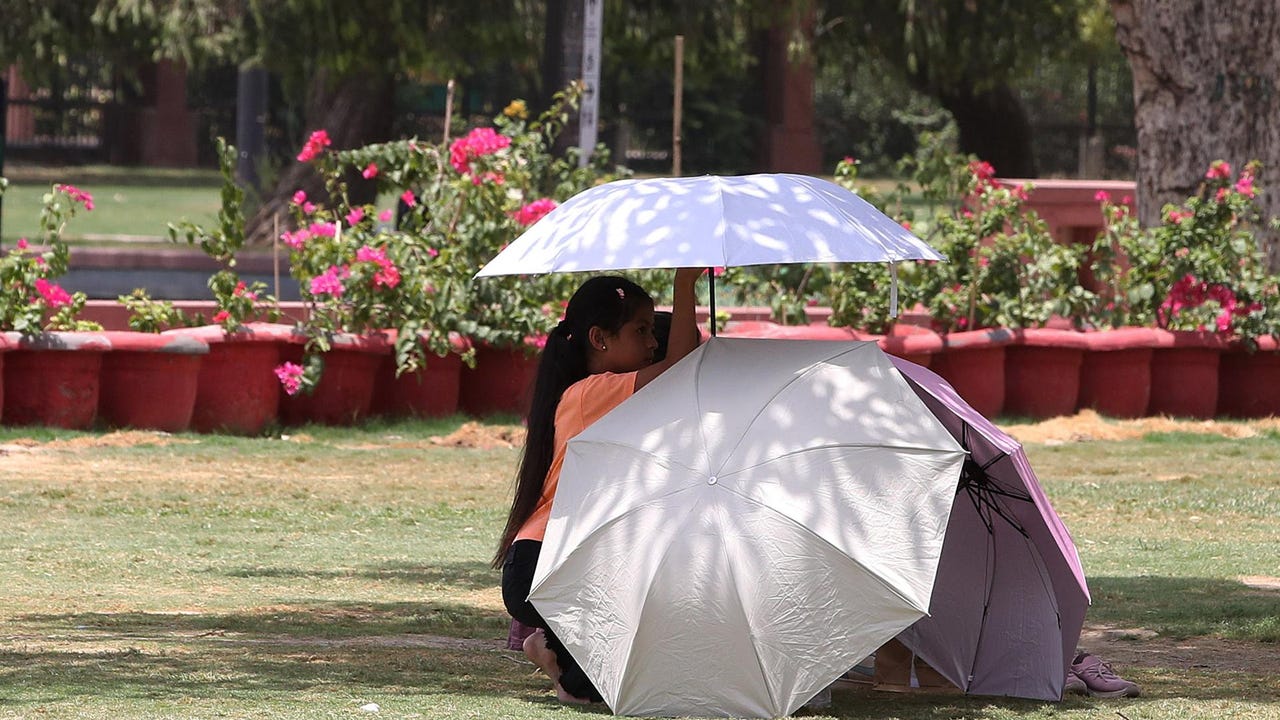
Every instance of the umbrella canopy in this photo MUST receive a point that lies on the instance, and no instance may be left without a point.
(708, 221)
(1010, 596)
(748, 526)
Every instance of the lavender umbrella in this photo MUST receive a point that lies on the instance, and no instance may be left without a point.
(1010, 596)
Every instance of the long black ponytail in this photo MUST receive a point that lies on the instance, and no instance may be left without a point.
(607, 302)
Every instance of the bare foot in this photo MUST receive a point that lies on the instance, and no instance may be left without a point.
(563, 696)
(535, 648)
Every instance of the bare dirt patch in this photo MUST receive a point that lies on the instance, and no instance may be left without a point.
(120, 438)
(1126, 647)
(1088, 426)
(482, 437)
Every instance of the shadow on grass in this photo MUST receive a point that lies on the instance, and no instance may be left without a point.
(1184, 607)
(465, 575)
(318, 621)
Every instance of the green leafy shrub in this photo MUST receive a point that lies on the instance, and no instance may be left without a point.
(1200, 269)
(459, 203)
(29, 299)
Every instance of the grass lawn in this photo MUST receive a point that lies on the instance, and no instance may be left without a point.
(307, 575)
(133, 202)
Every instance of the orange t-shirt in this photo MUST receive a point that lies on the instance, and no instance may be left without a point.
(582, 403)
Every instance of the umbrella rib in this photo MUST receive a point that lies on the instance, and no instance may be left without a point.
(660, 460)
(830, 446)
(760, 411)
(631, 652)
(773, 701)
(850, 219)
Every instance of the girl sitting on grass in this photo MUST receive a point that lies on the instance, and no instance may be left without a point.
(598, 356)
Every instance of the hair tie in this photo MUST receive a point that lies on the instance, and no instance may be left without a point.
(563, 328)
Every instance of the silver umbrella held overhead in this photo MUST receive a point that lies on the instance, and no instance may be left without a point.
(710, 221)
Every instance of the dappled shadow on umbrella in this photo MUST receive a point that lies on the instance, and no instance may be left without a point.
(708, 221)
(746, 528)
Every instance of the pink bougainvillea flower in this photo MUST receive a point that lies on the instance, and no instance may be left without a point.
(1218, 170)
(370, 171)
(1177, 216)
(323, 229)
(480, 141)
(534, 211)
(982, 171)
(385, 216)
(849, 160)
(433, 252)
(1102, 196)
(315, 144)
(308, 208)
(77, 195)
(906, 225)
(409, 198)
(493, 177)
(242, 290)
(330, 281)
(221, 316)
(53, 294)
(370, 254)
(296, 238)
(290, 376)
(1220, 195)
(355, 216)
(22, 244)
(388, 276)
(299, 197)
(1244, 185)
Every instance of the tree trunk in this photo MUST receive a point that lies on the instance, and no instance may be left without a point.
(562, 60)
(355, 111)
(994, 126)
(1204, 87)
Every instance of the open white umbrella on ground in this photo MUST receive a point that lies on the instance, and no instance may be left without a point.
(709, 221)
(747, 527)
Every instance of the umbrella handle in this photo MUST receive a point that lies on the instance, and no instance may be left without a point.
(711, 304)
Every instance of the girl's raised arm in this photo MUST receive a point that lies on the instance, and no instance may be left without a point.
(684, 329)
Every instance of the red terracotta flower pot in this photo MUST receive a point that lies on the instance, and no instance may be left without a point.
(149, 381)
(1115, 376)
(912, 343)
(4, 347)
(1249, 381)
(1184, 374)
(749, 328)
(236, 389)
(52, 379)
(344, 394)
(1042, 372)
(432, 391)
(972, 362)
(501, 381)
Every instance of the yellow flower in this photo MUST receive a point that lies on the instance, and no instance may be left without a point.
(516, 110)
